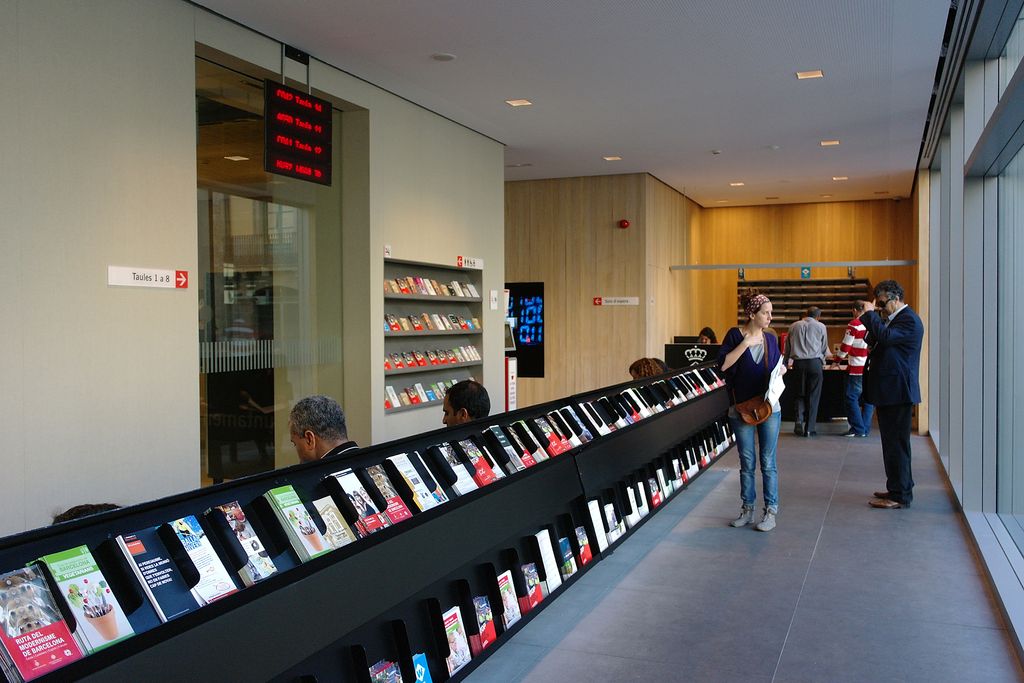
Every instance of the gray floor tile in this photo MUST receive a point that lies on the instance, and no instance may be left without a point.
(514, 664)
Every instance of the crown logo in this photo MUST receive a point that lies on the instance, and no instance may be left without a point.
(695, 355)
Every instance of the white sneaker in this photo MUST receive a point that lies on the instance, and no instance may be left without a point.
(767, 522)
(745, 518)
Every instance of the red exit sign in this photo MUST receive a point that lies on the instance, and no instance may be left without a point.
(297, 139)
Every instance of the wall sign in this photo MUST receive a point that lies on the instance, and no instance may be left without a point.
(123, 276)
(616, 301)
(297, 134)
(805, 273)
(471, 262)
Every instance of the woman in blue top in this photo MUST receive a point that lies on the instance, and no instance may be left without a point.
(747, 357)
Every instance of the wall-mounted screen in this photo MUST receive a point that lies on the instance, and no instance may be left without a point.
(297, 139)
(526, 311)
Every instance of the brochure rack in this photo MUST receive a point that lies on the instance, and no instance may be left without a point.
(381, 597)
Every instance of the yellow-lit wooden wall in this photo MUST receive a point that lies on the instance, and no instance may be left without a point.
(564, 233)
(796, 233)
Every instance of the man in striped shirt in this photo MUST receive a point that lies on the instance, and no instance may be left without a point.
(856, 349)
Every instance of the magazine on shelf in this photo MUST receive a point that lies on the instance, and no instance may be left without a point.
(572, 419)
(368, 519)
(654, 490)
(486, 633)
(100, 618)
(421, 668)
(534, 590)
(598, 522)
(161, 580)
(563, 430)
(34, 635)
(567, 566)
(499, 443)
(424, 496)
(479, 466)
(509, 602)
(395, 508)
(612, 523)
(547, 558)
(305, 539)
(583, 543)
(455, 633)
(338, 533)
(385, 672)
(527, 449)
(214, 580)
(445, 458)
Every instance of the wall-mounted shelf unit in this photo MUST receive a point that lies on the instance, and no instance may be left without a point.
(792, 298)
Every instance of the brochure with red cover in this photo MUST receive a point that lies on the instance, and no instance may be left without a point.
(396, 510)
(534, 592)
(33, 631)
(480, 468)
(485, 623)
(584, 545)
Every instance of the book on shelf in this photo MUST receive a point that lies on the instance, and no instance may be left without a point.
(425, 494)
(214, 580)
(305, 539)
(641, 499)
(509, 602)
(655, 491)
(158, 574)
(583, 543)
(368, 519)
(447, 461)
(414, 398)
(612, 523)
(573, 421)
(534, 590)
(100, 618)
(405, 324)
(666, 488)
(395, 508)
(415, 323)
(598, 522)
(403, 285)
(593, 421)
(545, 433)
(463, 324)
(524, 454)
(479, 466)
(457, 288)
(385, 672)
(471, 289)
(498, 444)
(432, 358)
(486, 633)
(567, 566)
(547, 558)
(36, 638)
(421, 392)
(421, 668)
(438, 290)
(521, 432)
(392, 396)
(338, 533)
(562, 429)
(458, 645)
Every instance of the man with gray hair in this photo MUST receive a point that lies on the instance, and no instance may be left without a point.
(318, 431)
(806, 349)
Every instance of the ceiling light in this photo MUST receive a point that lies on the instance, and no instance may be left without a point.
(237, 158)
(771, 197)
(716, 152)
(804, 75)
(443, 57)
(522, 165)
(722, 201)
(518, 103)
(736, 184)
(829, 143)
(882, 192)
(826, 196)
(612, 158)
(773, 148)
(839, 177)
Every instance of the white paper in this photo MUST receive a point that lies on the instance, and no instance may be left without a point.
(776, 385)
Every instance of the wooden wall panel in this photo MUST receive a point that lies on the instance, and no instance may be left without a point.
(668, 294)
(563, 232)
(796, 233)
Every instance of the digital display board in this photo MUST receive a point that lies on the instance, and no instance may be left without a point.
(297, 134)
(526, 308)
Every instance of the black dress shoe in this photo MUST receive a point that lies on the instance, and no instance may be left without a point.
(850, 433)
(798, 429)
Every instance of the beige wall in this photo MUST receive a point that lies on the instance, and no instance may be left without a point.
(100, 385)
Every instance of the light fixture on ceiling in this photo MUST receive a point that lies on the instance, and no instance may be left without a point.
(519, 103)
(237, 158)
(804, 75)
(773, 148)
(771, 197)
(722, 201)
(443, 57)
(736, 184)
(881, 191)
(612, 158)
(716, 152)
(522, 165)
(840, 177)
(829, 143)
(825, 196)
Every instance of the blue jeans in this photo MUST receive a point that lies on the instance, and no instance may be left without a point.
(858, 415)
(768, 440)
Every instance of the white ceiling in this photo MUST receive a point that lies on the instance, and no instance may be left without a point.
(660, 83)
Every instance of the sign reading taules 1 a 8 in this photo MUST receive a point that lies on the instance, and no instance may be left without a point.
(297, 134)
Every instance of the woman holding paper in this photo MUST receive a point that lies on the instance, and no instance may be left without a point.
(749, 357)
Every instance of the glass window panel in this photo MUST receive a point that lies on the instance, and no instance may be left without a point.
(1012, 53)
(269, 286)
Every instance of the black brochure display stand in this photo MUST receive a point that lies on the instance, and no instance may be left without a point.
(381, 597)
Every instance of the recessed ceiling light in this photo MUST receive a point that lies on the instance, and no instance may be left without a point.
(518, 103)
(773, 148)
(716, 152)
(523, 165)
(237, 158)
(839, 177)
(804, 75)
(722, 201)
(443, 57)
(771, 197)
(612, 158)
(826, 196)
(736, 184)
(882, 192)
(829, 143)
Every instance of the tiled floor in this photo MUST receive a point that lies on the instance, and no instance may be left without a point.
(838, 592)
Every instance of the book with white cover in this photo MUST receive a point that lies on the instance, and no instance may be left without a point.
(594, 506)
(422, 495)
(339, 533)
(214, 580)
(547, 557)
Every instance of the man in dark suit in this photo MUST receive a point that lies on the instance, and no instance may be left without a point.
(891, 385)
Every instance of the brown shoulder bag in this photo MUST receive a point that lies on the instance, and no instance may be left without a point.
(754, 410)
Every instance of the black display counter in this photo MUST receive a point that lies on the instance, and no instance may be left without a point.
(381, 597)
(833, 396)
